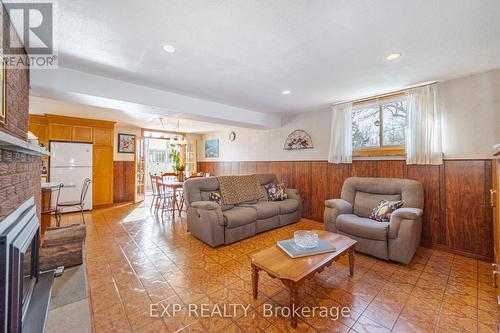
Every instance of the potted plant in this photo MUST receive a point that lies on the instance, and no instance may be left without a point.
(180, 172)
(177, 164)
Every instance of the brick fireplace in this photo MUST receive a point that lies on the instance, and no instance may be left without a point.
(19, 171)
(19, 180)
(24, 290)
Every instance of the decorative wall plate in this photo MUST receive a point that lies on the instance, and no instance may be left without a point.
(232, 136)
(297, 140)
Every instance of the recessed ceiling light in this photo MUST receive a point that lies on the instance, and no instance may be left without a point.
(169, 48)
(286, 92)
(393, 56)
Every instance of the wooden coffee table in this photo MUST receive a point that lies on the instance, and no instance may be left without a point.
(294, 272)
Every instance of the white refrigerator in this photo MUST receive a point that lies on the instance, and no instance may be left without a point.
(70, 164)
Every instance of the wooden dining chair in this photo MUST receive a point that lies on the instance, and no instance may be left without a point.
(159, 195)
(165, 196)
(154, 189)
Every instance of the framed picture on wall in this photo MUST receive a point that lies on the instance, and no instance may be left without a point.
(3, 92)
(126, 143)
(212, 148)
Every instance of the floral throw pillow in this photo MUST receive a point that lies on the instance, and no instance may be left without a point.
(276, 192)
(216, 197)
(382, 212)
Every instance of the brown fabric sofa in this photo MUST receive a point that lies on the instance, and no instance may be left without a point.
(216, 225)
(395, 240)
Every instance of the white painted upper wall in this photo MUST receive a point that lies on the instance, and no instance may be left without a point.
(267, 145)
(471, 115)
(124, 130)
(471, 125)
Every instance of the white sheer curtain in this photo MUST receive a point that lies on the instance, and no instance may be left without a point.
(341, 135)
(423, 142)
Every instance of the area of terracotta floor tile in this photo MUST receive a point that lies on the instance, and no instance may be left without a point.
(135, 259)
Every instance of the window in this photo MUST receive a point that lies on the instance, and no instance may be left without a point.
(159, 151)
(157, 156)
(379, 128)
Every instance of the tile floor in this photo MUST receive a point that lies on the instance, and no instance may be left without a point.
(135, 260)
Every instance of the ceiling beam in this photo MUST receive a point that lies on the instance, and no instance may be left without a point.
(81, 87)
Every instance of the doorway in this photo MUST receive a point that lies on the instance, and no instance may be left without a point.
(158, 153)
(158, 149)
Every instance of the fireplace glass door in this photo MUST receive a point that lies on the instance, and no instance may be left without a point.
(28, 259)
(19, 260)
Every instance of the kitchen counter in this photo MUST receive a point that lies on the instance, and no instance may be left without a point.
(52, 185)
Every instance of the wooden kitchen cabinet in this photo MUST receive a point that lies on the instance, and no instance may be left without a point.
(40, 131)
(38, 126)
(99, 132)
(102, 175)
(102, 190)
(82, 133)
(60, 132)
(103, 136)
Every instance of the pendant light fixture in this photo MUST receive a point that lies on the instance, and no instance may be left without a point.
(177, 139)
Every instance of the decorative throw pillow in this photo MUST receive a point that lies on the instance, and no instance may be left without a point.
(382, 212)
(216, 197)
(276, 192)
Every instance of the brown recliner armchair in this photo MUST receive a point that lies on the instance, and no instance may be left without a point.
(395, 240)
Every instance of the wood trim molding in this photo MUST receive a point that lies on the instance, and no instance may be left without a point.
(448, 249)
(183, 134)
(79, 121)
(379, 152)
(382, 97)
(38, 119)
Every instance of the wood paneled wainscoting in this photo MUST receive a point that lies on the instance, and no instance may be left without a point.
(457, 213)
(123, 181)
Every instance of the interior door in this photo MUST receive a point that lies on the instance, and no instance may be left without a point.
(140, 167)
